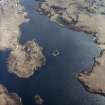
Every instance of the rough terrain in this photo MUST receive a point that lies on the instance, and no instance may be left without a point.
(87, 16)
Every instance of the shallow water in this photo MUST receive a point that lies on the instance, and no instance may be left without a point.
(56, 81)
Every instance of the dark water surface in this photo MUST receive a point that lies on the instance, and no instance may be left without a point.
(56, 82)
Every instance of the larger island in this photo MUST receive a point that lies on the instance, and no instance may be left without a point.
(23, 59)
(86, 16)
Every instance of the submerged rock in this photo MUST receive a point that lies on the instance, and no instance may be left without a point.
(55, 53)
(10, 21)
(24, 60)
(7, 98)
(38, 100)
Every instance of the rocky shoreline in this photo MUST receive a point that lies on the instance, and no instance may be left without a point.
(85, 16)
(20, 62)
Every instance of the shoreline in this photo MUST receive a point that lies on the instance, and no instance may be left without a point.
(82, 16)
(7, 98)
(9, 39)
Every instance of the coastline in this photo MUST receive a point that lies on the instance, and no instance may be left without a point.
(13, 15)
(7, 98)
(82, 16)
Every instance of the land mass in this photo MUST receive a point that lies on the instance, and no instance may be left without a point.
(7, 98)
(85, 16)
(23, 59)
(26, 59)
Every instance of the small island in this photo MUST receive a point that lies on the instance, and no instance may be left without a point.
(83, 16)
(56, 53)
(38, 100)
(7, 98)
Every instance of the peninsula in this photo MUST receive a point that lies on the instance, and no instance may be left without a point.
(83, 16)
(23, 59)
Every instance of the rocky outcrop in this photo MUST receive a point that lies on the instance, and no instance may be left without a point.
(21, 62)
(12, 15)
(7, 98)
(24, 60)
(39, 100)
(86, 16)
